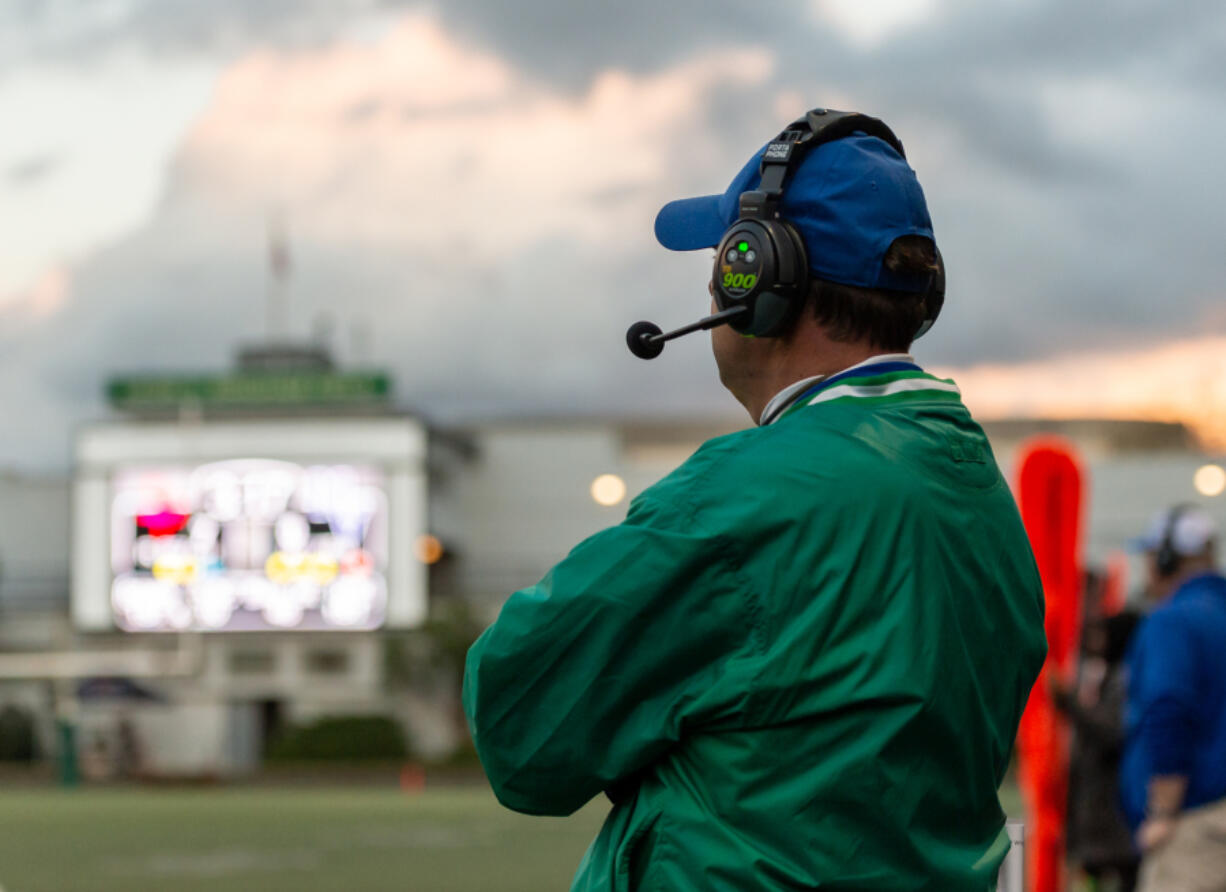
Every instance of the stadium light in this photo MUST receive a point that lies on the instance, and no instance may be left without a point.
(428, 549)
(608, 490)
(1210, 480)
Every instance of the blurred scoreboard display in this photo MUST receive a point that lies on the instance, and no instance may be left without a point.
(249, 526)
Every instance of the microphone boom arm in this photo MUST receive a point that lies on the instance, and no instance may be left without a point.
(646, 341)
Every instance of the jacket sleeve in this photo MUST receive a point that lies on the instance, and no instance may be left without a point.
(593, 673)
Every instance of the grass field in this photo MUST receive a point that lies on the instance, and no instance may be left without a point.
(276, 840)
(285, 840)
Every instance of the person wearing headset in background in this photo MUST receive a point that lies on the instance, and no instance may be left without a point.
(1173, 773)
(801, 659)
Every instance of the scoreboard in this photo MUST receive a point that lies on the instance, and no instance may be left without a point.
(248, 526)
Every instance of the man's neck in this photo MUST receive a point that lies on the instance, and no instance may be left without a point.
(799, 366)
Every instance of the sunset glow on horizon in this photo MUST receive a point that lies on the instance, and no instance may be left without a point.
(1180, 381)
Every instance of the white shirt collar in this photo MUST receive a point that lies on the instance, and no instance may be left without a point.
(784, 398)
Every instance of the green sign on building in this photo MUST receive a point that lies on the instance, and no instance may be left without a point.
(253, 391)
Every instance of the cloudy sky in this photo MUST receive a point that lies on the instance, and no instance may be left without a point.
(469, 188)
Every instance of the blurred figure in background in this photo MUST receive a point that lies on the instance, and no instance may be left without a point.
(1099, 840)
(1173, 776)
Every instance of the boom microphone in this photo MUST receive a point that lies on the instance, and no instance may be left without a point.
(646, 341)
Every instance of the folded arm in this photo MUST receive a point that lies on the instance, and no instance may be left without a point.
(591, 675)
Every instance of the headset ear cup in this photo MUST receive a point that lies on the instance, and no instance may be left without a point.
(1166, 559)
(777, 309)
(772, 315)
(781, 277)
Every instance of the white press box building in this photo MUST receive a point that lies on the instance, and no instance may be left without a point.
(206, 577)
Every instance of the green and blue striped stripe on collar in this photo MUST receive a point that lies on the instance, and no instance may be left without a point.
(880, 384)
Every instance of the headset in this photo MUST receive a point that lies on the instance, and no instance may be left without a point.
(761, 273)
(1166, 558)
(761, 262)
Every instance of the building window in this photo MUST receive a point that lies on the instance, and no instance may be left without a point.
(252, 662)
(327, 662)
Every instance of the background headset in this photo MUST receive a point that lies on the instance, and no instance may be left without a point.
(761, 274)
(1166, 558)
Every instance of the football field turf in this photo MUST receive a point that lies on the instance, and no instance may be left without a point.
(287, 840)
(277, 840)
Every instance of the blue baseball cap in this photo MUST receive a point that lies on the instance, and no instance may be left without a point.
(849, 200)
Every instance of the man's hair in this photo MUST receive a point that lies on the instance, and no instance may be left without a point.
(887, 319)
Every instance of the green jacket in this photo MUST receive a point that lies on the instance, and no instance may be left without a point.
(799, 662)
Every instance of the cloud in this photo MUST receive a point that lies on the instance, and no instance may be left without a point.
(475, 184)
(569, 44)
(78, 32)
(1041, 129)
(31, 169)
(448, 138)
(83, 158)
(493, 232)
(1043, 134)
(869, 23)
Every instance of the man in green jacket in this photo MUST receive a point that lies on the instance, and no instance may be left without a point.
(800, 661)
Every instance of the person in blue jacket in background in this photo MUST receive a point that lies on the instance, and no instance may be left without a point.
(1173, 773)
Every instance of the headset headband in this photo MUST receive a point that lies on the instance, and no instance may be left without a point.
(818, 127)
